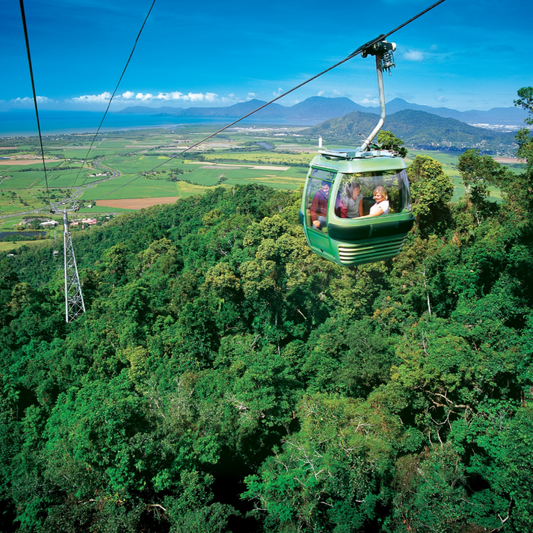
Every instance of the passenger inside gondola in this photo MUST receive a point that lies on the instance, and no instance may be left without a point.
(350, 202)
(319, 207)
(381, 207)
(371, 195)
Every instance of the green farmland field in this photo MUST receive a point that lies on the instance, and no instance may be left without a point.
(140, 188)
(229, 160)
(206, 177)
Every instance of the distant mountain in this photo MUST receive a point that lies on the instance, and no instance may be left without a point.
(418, 130)
(315, 109)
(319, 108)
(236, 110)
(497, 116)
(233, 111)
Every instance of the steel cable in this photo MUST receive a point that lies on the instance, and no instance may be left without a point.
(351, 56)
(114, 92)
(23, 14)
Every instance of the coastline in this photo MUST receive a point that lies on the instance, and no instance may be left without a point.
(24, 123)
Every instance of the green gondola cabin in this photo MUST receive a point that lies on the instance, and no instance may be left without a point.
(356, 206)
(356, 238)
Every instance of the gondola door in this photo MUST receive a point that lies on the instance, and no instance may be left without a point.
(319, 193)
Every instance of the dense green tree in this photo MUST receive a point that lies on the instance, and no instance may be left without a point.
(389, 141)
(330, 476)
(432, 191)
(478, 172)
(223, 368)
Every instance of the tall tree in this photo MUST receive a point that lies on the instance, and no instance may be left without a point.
(389, 141)
(432, 191)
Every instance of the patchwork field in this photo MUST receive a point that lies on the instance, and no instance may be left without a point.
(137, 203)
(131, 170)
(11, 162)
(130, 186)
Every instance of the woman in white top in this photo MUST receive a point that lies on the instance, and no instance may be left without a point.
(381, 207)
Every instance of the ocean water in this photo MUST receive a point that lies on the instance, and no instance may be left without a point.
(23, 123)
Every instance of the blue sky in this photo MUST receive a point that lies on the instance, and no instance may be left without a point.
(462, 55)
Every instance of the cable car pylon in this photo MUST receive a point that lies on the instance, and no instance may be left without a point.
(74, 304)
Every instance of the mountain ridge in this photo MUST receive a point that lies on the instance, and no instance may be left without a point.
(418, 130)
(321, 108)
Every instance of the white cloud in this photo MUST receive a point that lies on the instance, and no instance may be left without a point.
(28, 100)
(413, 55)
(200, 97)
(174, 95)
(278, 92)
(369, 101)
(177, 96)
(146, 97)
(128, 97)
(231, 99)
(93, 98)
(143, 97)
(320, 93)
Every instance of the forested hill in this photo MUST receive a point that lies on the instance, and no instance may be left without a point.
(418, 130)
(224, 378)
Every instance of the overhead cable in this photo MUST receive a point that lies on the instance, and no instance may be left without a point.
(351, 56)
(23, 14)
(114, 92)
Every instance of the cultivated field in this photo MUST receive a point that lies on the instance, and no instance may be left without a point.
(12, 161)
(129, 170)
(137, 203)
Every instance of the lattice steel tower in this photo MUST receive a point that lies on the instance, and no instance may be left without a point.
(74, 305)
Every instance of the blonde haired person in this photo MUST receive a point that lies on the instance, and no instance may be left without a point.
(381, 207)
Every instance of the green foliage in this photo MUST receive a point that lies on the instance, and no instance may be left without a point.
(431, 493)
(478, 172)
(525, 101)
(389, 141)
(523, 136)
(432, 191)
(330, 476)
(225, 378)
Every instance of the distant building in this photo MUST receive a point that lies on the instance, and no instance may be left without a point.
(85, 221)
(49, 223)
